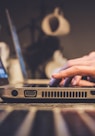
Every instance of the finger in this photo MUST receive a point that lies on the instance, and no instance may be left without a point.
(76, 80)
(85, 83)
(75, 70)
(67, 81)
(62, 82)
(54, 82)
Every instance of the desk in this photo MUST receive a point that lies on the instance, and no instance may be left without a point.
(47, 119)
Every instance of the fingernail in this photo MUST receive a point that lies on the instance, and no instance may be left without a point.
(74, 82)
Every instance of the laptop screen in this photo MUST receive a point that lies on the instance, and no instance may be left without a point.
(3, 74)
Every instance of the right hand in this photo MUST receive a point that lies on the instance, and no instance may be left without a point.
(77, 68)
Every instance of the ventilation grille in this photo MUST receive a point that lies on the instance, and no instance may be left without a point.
(65, 94)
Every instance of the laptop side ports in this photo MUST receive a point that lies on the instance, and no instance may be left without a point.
(92, 92)
(30, 93)
(14, 93)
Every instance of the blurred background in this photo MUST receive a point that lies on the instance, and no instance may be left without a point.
(38, 47)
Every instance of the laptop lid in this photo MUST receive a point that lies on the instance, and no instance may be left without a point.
(17, 46)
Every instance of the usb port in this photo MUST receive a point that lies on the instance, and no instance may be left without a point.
(30, 93)
(92, 92)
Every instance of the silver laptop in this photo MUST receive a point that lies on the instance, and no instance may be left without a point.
(39, 92)
(19, 93)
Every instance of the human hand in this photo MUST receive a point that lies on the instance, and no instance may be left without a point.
(76, 69)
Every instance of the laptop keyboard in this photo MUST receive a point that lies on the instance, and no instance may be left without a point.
(32, 121)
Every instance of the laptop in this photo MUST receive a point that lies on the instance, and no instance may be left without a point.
(40, 93)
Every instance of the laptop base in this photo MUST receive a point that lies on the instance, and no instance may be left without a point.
(23, 100)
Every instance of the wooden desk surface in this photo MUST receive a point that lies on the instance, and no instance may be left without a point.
(47, 119)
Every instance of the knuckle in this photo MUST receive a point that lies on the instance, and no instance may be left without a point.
(84, 57)
(76, 68)
(92, 53)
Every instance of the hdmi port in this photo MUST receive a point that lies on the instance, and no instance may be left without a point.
(30, 93)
